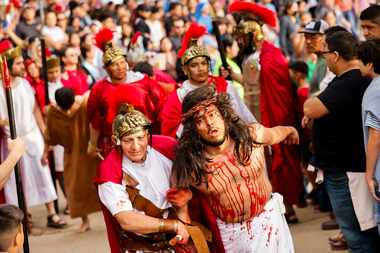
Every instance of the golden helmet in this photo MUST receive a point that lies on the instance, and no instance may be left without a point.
(129, 121)
(112, 54)
(251, 26)
(193, 52)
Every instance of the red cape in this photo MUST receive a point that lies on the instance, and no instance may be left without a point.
(110, 171)
(2, 196)
(278, 107)
(39, 89)
(171, 113)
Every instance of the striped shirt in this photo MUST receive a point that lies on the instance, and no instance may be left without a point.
(371, 113)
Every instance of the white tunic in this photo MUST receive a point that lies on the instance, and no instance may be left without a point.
(36, 179)
(237, 103)
(153, 177)
(268, 232)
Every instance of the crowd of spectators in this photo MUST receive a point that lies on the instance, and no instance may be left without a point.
(151, 33)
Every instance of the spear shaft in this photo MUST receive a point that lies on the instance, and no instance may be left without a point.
(5, 77)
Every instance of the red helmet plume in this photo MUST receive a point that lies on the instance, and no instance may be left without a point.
(103, 37)
(194, 32)
(262, 13)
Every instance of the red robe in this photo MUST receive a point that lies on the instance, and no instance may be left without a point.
(39, 88)
(278, 107)
(2, 196)
(171, 113)
(75, 80)
(145, 95)
(110, 171)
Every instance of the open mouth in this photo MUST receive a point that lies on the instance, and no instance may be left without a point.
(213, 132)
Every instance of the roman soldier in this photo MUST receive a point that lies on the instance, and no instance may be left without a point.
(269, 94)
(139, 90)
(134, 189)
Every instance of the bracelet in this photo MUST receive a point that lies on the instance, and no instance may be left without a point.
(176, 227)
(161, 226)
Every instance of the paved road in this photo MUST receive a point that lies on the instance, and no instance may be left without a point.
(307, 235)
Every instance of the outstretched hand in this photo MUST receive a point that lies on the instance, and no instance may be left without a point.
(293, 137)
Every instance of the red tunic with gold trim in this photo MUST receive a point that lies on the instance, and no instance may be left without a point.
(143, 93)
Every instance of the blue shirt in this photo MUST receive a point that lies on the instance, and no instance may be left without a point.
(371, 113)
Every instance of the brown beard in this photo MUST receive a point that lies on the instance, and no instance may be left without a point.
(214, 143)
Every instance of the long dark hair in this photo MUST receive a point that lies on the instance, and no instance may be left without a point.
(188, 165)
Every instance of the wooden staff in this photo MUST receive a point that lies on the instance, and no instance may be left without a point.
(5, 77)
(221, 48)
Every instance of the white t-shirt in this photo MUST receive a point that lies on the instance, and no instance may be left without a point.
(52, 88)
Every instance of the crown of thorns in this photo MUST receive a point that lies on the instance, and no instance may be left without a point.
(196, 108)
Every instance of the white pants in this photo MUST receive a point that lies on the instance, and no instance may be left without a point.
(265, 233)
(58, 152)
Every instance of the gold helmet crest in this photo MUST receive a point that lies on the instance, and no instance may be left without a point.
(128, 121)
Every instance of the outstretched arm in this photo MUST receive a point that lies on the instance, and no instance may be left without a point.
(16, 148)
(275, 135)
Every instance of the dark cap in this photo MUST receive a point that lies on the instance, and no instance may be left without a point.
(316, 27)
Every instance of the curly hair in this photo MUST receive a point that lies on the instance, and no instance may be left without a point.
(188, 165)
